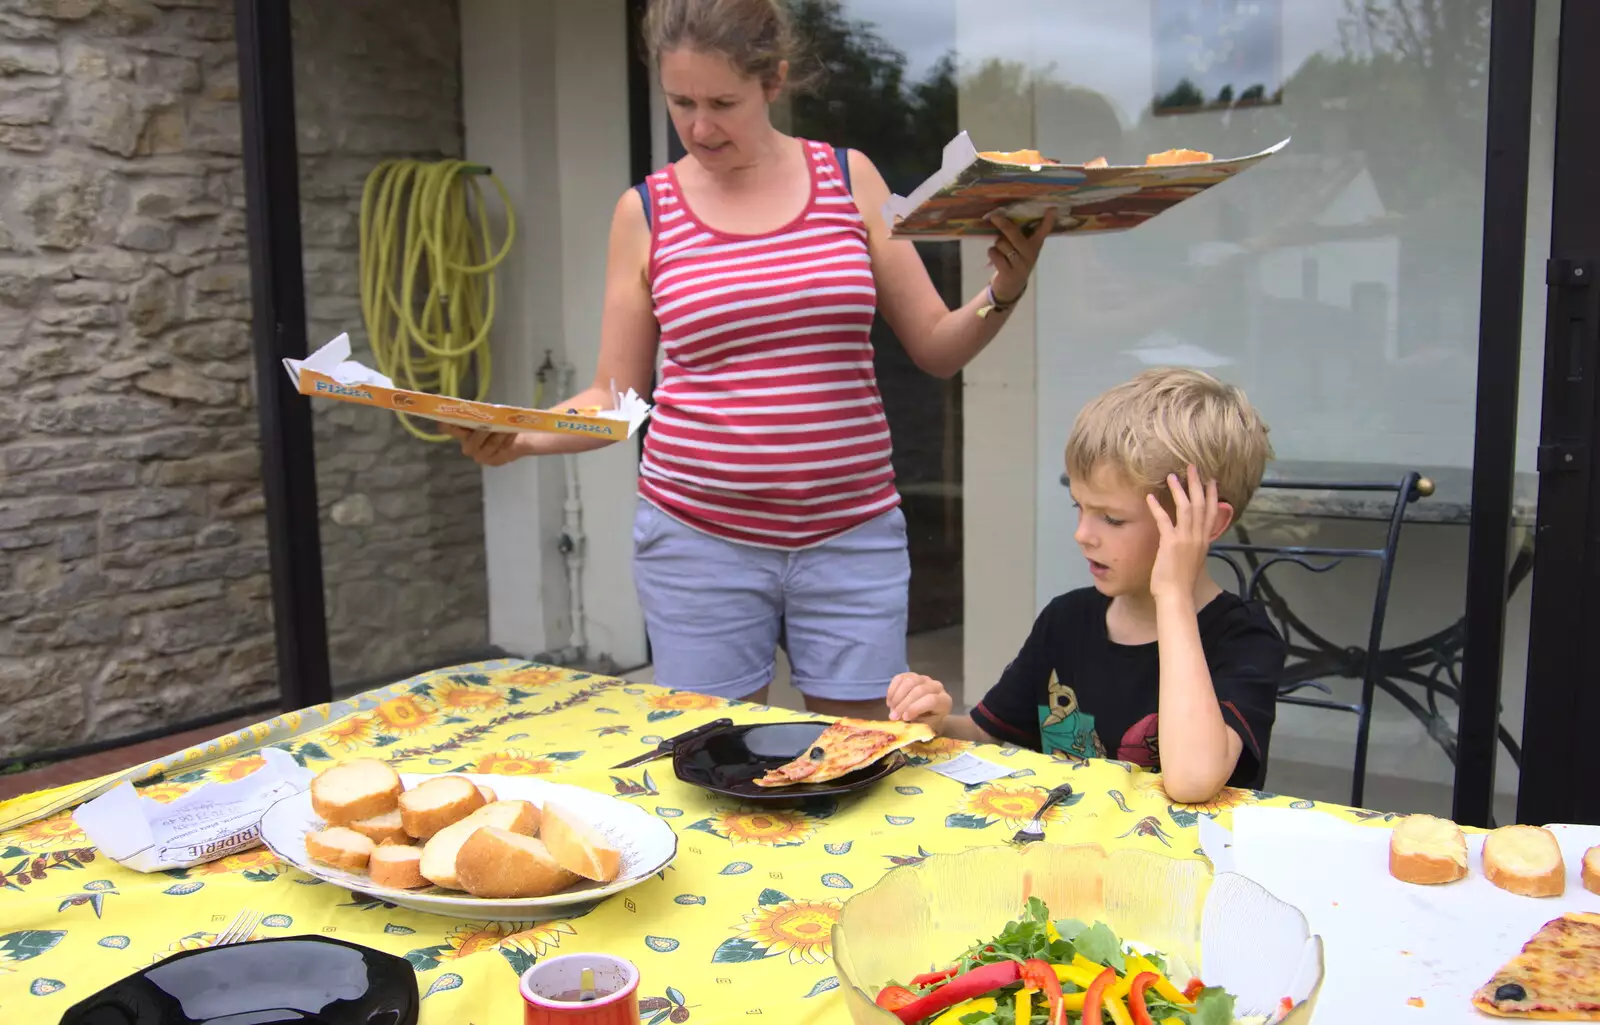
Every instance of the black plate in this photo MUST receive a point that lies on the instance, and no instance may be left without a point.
(730, 760)
(307, 980)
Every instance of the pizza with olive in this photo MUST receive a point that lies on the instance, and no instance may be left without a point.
(1556, 977)
(844, 747)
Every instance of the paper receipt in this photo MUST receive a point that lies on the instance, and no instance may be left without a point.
(208, 823)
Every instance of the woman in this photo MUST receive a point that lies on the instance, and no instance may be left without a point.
(767, 513)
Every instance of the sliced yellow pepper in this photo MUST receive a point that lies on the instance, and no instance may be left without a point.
(1171, 1021)
(1051, 934)
(1024, 1013)
(1138, 963)
(1079, 961)
(959, 1011)
(1073, 1001)
(1076, 974)
(1116, 1012)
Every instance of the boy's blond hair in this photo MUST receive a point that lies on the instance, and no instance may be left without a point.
(1164, 421)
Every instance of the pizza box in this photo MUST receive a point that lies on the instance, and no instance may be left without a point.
(330, 373)
(1390, 943)
(955, 202)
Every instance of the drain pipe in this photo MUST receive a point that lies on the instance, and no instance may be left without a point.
(573, 543)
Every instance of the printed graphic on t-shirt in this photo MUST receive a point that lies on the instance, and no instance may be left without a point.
(1141, 744)
(1065, 728)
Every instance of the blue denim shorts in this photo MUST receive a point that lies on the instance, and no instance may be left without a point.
(716, 611)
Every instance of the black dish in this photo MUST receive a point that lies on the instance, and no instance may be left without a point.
(730, 760)
(307, 980)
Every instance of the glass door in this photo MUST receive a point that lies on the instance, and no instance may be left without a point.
(1563, 692)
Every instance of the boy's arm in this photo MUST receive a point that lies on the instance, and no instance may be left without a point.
(1199, 750)
(1009, 713)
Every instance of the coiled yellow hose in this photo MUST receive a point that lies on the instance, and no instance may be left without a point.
(427, 279)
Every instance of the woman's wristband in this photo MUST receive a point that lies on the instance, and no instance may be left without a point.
(994, 305)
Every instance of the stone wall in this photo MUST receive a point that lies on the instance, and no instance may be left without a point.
(133, 560)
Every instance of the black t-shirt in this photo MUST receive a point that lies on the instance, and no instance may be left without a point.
(1072, 690)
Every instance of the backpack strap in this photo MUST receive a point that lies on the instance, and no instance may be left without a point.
(643, 189)
(841, 157)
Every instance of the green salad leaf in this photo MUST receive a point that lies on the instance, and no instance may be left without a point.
(1100, 945)
(1214, 1006)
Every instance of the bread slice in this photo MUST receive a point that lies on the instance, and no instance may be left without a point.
(499, 863)
(1525, 860)
(381, 829)
(488, 794)
(396, 865)
(439, 854)
(339, 847)
(429, 807)
(1591, 870)
(357, 789)
(1427, 850)
(578, 847)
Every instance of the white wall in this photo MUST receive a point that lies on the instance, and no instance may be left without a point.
(546, 105)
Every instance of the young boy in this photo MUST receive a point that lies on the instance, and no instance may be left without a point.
(1154, 664)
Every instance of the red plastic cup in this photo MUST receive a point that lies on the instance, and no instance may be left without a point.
(616, 987)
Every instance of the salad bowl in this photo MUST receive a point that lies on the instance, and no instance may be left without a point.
(1196, 924)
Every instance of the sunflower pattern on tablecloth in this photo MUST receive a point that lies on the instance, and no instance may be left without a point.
(764, 826)
(740, 924)
(781, 925)
(1013, 805)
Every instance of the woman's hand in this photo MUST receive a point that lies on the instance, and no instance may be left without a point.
(1014, 254)
(488, 448)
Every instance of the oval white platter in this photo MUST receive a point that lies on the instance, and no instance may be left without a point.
(647, 844)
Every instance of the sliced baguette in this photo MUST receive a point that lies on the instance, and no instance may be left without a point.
(1427, 850)
(358, 789)
(339, 847)
(381, 829)
(578, 847)
(488, 794)
(1591, 870)
(1525, 860)
(499, 863)
(429, 807)
(439, 854)
(396, 865)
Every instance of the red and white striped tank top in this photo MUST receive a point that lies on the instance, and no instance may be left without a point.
(768, 426)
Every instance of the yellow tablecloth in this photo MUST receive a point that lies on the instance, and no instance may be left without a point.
(738, 927)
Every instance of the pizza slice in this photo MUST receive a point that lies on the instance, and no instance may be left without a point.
(1177, 156)
(1556, 977)
(844, 747)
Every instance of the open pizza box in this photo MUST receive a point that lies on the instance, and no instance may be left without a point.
(955, 202)
(330, 373)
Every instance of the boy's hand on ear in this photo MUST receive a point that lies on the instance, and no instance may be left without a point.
(1185, 538)
(917, 698)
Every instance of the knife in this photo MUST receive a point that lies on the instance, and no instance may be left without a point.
(666, 747)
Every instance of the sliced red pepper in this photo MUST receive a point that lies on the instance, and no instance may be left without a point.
(963, 987)
(1093, 998)
(892, 998)
(929, 978)
(1040, 975)
(1136, 1005)
(1193, 989)
(1285, 1006)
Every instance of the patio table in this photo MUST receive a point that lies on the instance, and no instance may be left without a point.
(737, 927)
